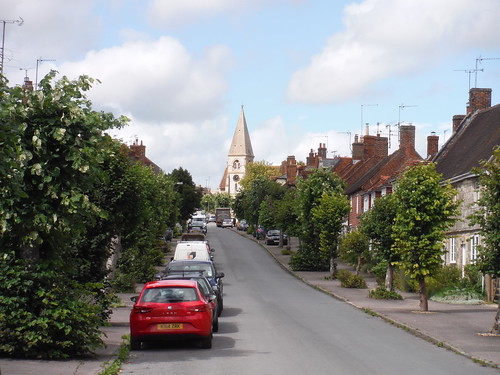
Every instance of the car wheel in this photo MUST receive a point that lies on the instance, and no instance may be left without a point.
(221, 307)
(135, 344)
(216, 324)
(206, 343)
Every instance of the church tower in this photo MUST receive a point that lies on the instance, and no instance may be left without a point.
(240, 154)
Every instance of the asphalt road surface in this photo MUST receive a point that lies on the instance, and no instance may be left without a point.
(275, 324)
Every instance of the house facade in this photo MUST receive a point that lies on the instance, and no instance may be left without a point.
(474, 137)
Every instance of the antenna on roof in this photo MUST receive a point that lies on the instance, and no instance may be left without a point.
(469, 72)
(478, 60)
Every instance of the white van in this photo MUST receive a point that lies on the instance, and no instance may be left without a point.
(196, 250)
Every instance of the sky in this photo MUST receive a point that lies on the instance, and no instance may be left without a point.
(305, 71)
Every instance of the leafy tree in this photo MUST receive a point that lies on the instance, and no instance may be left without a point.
(328, 216)
(260, 189)
(309, 195)
(488, 217)
(56, 150)
(189, 196)
(354, 248)
(223, 200)
(377, 223)
(61, 147)
(253, 171)
(424, 210)
(208, 203)
(286, 214)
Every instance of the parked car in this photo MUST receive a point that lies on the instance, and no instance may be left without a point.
(197, 224)
(227, 223)
(199, 250)
(209, 271)
(169, 310)
(242, 225)
(206, 288)
(273, 237)
(211, 219)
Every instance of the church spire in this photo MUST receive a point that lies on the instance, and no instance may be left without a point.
(239, 156)
(241, 145)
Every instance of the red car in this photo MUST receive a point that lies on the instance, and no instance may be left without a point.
(169, 310)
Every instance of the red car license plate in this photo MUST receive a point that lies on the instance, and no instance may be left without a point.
(170, 326)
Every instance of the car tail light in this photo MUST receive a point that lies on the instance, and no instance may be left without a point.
(198, 308)
(142, 310)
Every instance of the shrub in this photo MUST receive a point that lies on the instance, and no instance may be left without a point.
(382, 293)
(379, 270)
(45, 314)
(459, 295)
(302, 260)
(350, 280)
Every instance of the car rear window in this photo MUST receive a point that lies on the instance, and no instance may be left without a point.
(192, 267)
(169, 295)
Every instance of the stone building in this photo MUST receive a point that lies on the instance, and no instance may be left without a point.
(474, 137)
(239, 156)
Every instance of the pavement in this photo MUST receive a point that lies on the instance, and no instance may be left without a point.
(463, 329)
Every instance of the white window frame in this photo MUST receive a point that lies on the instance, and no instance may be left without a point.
(474, 242)
(453, 250)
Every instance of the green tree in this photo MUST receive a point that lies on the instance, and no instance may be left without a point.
(488, 217)
(223, 200)
(286, 213)
(57, 150)
(189, 196)
(424, 210)
(256, 170)
(328, 216)
(354, 248)
(309, 195)
(377, 223)
(208, 203)
(61, 150)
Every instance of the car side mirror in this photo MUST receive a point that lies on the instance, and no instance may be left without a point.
(220, 275)
(212, 250)
(134, 298)
(157, 276)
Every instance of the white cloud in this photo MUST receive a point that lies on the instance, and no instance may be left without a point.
(154, 80)
(46, 27)
(384, 38)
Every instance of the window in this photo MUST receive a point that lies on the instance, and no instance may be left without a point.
(236, 164)
(453, 250)
(474, 242)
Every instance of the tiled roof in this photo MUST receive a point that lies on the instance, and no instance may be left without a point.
(472, 142)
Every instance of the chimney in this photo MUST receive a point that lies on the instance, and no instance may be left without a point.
(322, 150)
(310, 159)
(432, 144)
(291, 168)
(478, 99)
(381, 146)
(369, 146)
(407, 137)
(457, 120)
(357, 149)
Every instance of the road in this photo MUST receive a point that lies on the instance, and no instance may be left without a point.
(273, 323)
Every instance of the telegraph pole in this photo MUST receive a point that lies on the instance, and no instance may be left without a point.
(4, 22)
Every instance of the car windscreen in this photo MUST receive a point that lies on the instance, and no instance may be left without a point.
(274, 233)
(169, 295)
